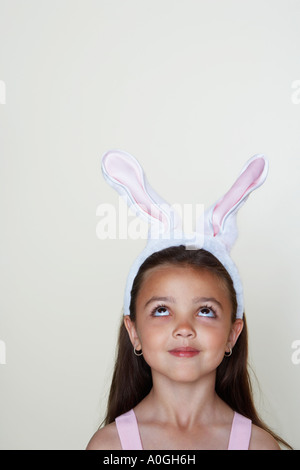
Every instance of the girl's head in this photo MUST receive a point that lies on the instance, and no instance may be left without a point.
(211, 283)
(183, 298)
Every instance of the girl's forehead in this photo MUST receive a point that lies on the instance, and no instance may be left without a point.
(169, 277)
(178, 270)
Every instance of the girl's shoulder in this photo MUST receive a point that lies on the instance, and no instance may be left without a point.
(105, 438)
(262, 440)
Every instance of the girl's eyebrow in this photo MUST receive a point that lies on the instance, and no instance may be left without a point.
(164, 299)
(207, 299)
(195, 300)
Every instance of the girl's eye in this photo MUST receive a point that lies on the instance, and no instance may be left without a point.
(160, 311)
(206, 312)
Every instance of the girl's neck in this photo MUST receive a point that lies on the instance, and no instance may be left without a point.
(183, 404)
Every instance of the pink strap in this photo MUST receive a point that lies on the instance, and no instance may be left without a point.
(128, 431)
(130, 438)
(240, 433)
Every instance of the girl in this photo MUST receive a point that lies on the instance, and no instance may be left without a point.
(180, 378)
(182, 362)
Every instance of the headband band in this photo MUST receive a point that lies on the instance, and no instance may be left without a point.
(216, 230)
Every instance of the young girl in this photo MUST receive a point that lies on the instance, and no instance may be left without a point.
(181, 380)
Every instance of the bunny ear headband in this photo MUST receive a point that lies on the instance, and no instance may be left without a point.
(216, 229)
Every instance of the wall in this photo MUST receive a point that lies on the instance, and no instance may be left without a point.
(192, 89)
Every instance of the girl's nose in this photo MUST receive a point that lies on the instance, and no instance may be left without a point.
(184, 330)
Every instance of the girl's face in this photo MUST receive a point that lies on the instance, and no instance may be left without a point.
(183, 322)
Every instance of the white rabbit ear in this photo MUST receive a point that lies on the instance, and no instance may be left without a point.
(123, 172)
(222, 214)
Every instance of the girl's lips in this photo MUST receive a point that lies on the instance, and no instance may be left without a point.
(184, 352)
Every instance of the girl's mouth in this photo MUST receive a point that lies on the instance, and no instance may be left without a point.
(184, 352)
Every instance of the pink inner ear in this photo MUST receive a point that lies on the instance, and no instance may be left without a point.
(243, 185)
(126, 172)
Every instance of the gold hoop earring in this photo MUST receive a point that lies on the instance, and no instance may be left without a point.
(139, 353)
(228, 354)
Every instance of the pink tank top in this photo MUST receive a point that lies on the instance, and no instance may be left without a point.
(130, 438)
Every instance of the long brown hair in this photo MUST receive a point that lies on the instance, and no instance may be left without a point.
(132, 379)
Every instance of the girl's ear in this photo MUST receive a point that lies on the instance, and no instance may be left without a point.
(131, 330)
(235, 332)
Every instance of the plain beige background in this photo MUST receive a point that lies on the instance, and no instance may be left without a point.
(192, 89)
